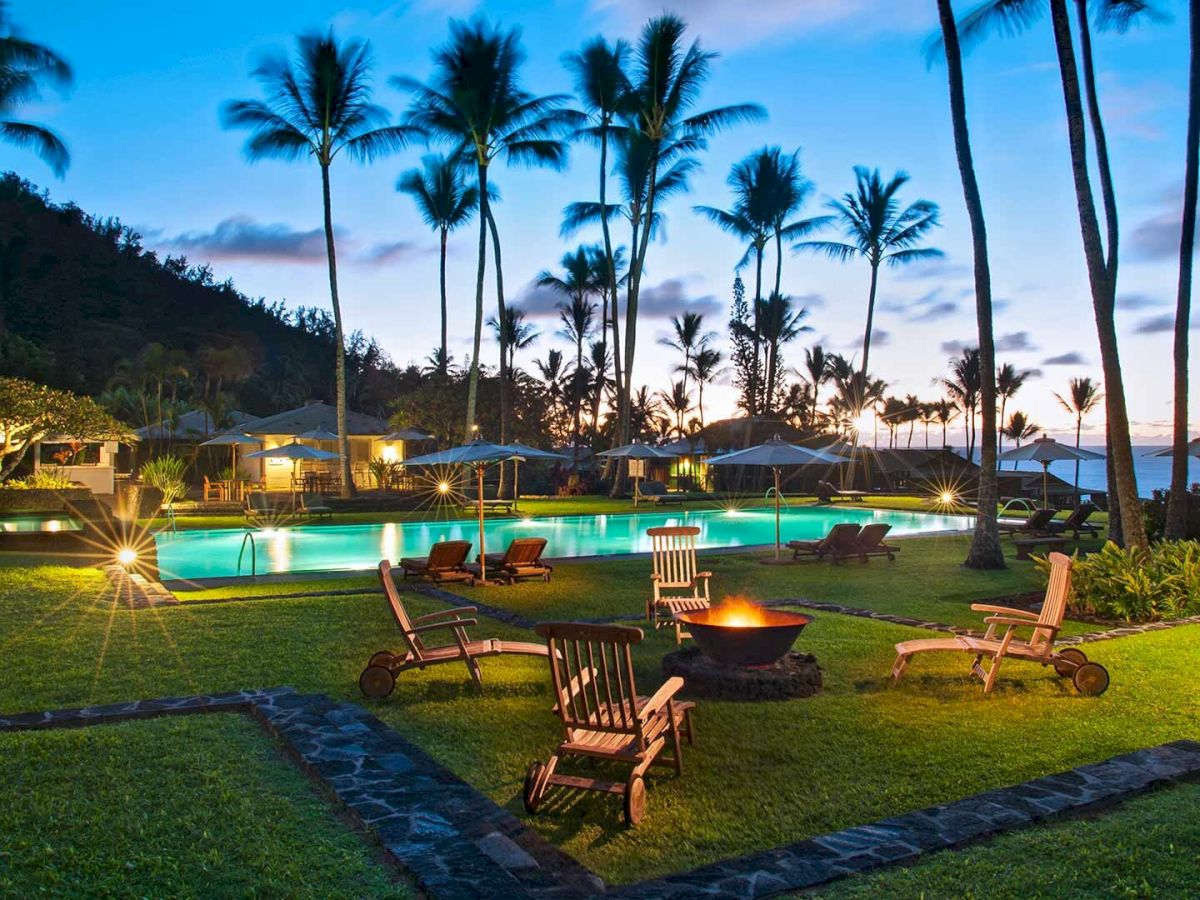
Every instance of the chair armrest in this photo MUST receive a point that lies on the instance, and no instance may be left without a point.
(700, 575)
(654, 576)
(441, 614)
(659, 698)
(449, 623)
(1003, 610)
(1009, 620)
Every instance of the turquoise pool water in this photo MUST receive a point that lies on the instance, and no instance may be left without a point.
(320, 548)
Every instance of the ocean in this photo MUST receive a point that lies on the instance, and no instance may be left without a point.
(1152, 471)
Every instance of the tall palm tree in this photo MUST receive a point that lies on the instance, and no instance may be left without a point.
(1176, 525)
(878, 230)
(688, 337)
(1083, 396)
(1020, 427)
(678, 402)
(985, 551)
(603, 88)
(577, 316)
(665, 84)
(779, 324)
(445, 201)
(816, 364)
(517, 334)
(599, 362)
(25, 68)
(705, 369)
(1008, 382)
(944, 412)
(552, 372)
(963, 386)
(319, 107)
(476, 104)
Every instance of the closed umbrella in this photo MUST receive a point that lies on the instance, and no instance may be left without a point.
(479, 453)
(637, 451)
(1047, 450)
(776, 453)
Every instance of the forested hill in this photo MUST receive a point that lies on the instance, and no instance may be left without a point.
(84, 306)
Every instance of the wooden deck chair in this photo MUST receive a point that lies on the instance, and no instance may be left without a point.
(1088, 677)
(1037, 523)
(827, 493)
(1077, 522)
(259, 508)
(678, 586)
(314, 506)
(522, 559)
(213, 490)
(446, 562)
(602, 715)
(378, 679)
(840, 543)
(871, 543)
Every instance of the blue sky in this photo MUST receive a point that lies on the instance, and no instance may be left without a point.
(842, 81)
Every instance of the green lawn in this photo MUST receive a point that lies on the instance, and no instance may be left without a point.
(1147, 847)
(200, 805)
(761, 774)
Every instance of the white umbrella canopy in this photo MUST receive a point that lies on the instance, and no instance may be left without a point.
(292, 451)
(407, 434)
(776, 453)
(638, 451)
(316, 434)
(1193, 449)
(1047, 450)
(232, 439)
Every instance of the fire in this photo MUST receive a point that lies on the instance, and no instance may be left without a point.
(737, 612)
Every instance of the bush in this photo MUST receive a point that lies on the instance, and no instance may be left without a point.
(1155, 510)
(166, 474)
(1137, 585)
(49, 479)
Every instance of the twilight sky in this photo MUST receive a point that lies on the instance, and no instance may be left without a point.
(842, 81)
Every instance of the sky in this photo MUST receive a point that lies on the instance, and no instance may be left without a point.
(842, 81)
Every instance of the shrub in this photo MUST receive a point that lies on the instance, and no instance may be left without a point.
(166, 474)
(49, 479)
(1155, 511)
(1137, 585)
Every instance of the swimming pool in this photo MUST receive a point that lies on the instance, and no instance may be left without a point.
(321, 548)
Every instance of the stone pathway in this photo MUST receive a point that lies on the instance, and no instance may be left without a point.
(136, 590)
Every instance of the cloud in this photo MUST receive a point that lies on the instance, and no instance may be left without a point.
(935, 311)
(394, 251)
(809, 301)
(1073, 358)
(956, 347)
(943, 268)
(670, 298)
(1156, 237)
(1160, 324)
(241, 237)
(539, 302)
(1014, 342)
(929, 307)
(1138, 301)
(879, 338)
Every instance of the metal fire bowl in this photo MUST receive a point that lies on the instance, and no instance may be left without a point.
(757, 645)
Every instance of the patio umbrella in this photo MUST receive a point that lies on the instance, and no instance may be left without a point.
(637, 451)
(295, 452)
(316, 434)
(1047, 450)
(776, 453)
(232, 439)
(407, 434)
(1193, 449)
(479, 453)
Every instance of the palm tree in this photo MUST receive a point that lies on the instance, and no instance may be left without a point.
(879, 231)
(816, 364)
(892, 415)
(1008, 382)
(1083, 396)
(678, 402)
(689, 337)
(963, 386)
(665, 85)
(517, 334)
(552, 373)
(705, 369)
(603, 87)
(985, 551)
(1020, 427)
(779, 324)
(319, 107)
(445, 202)
(25, 67)
(598, 365)
(476, 104)
(944, 412)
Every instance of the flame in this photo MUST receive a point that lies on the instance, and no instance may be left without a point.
(737, 612)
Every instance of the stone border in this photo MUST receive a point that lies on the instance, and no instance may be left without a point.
(137, 591)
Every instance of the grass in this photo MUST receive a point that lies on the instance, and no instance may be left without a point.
(194, 805)
(761, 774)
(1147, 847)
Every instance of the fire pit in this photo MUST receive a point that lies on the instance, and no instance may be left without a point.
(743, 652)
(740, 633)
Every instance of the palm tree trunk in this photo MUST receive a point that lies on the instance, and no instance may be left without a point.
(443, 363)
(608, 257)
(339, 342)
(1104, 169)
(1101, 285)
(1078, 437)
(504, 489)
(1176, 527)
(870, 318)
(778, 262)
(754, 385)
(624, 389)
(985, 551)
(473, 378)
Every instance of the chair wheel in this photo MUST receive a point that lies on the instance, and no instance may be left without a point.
(382, 658)
(635, 800)
(376, 682)
(1091, 679)
(533, 795)
(1068, 661)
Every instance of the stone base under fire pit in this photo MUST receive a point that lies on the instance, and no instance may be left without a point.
(795, 675)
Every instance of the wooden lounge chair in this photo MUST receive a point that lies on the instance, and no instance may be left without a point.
(447, 561)
(602, 715)
(259, 508)
(871, 543)
(1088, 677)
(522, 559)
(656, 492)
(470, 505)
(841, 543)
(213, 490)
(827, 493)
(677, 584)
(1077, 522)
(1038, 523)
(315, 507)
(378, 679)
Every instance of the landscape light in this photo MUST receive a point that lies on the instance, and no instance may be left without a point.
(947, 497)
(127, 556)
(443, 487)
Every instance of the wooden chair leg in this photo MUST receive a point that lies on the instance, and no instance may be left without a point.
(899, 666)
(675, 743)
(476, 674)
(991, 675)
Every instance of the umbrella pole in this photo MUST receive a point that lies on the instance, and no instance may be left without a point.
(479, 501)
(1045, 484)
(777, 513)
(516, 484)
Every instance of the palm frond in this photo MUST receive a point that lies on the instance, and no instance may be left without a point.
(44, 142)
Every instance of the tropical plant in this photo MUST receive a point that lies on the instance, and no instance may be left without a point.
(47, 478)
(944, 412)
(25, 68)
(1083, 396)
(319, 107)
(778, 324)
(165, 473)
(1008, 382)
(384, 472)
(963, 386)
(476, 104)
(677, 401)
(816, 364)
(688, 336)
(705, 369)
(877, 229)
(517, 334)
(1020, 428)
(445, 201)
(1137, 584)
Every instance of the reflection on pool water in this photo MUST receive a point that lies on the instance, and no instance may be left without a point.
(34, 523)
(319, 548)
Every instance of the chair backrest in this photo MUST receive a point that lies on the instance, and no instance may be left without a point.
(399, 613)
(1054, 606)
(1041, 518)
(842, 538)
(256, 501)
(448, 555)
(1079, 515)
(308, 500)
(652, 488)
(524, 551)
(592, 671)
(871, 536)
(673, 549)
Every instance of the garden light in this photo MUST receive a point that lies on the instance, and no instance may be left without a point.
(127, 556)
(443, 487)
